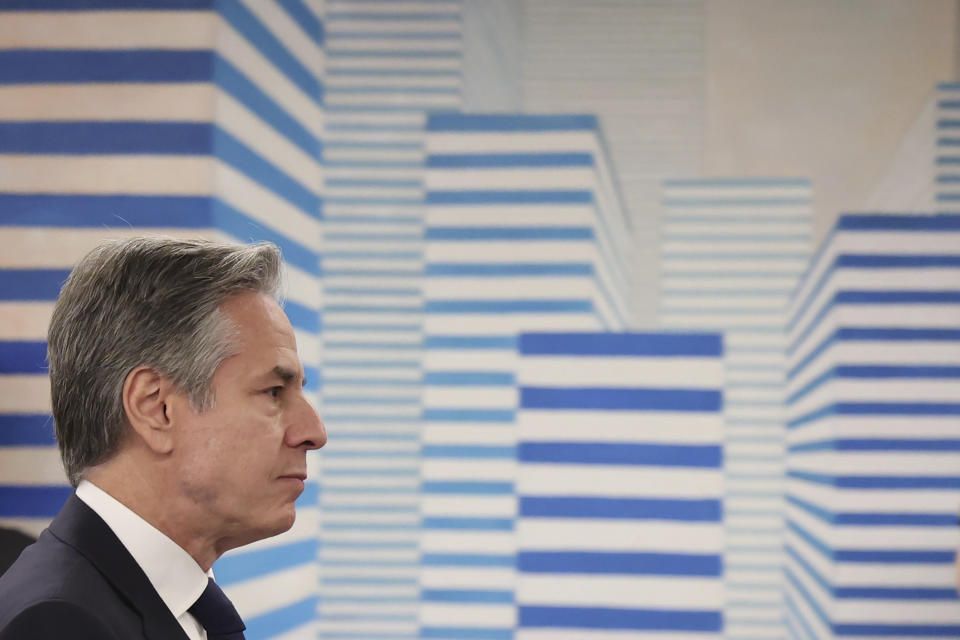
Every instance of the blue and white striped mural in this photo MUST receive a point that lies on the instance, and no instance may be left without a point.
(732, 251)
(387, 64)
(508, 457)
(198, 119)
(872, 464)
(620, 486)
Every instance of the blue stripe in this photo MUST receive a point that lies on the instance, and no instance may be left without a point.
(467, 596)
(305, 19)
(59, 210)
(23, 357)
(508, 269)
(473, 524)
(621, 508)
(877, 408)
(888, 222)
(468, 415)
(469, 451)
(567, 617)
(467, 560)
(504, 160)
(32, 501)
(467, 487)
(243, 566)
(895, 593)
(508, 306)
(471, 342)
(896, 333)
(620, 399)
(467, 379)
(31, 284)
(279, 621)
(246, 229)
(248, 162)
(878, 482)
(660, 455)
(26, 430)
(508, 233)
(614, 562)
(234, 82)
(878, 444)
(892, 630)
(310, 496)
(512, 123)
(896, 297)
(509, 197)
(896, 261)
(302, 317)
(272, 49)
(115, 137)
(622, 344)
(44, 66)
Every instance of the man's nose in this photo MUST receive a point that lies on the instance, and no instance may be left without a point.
(308, 430)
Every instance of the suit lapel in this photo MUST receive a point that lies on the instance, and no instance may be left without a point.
(80, 527)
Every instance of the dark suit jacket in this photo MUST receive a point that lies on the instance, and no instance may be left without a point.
(79, 582)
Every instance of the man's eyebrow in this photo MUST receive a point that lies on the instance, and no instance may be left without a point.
(285, 374)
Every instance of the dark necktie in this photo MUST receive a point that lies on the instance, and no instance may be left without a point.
(215, 612)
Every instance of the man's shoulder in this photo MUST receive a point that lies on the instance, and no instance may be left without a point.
(52, 579)
(49, 619)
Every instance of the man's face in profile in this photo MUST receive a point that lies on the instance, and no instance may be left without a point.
(244, 460)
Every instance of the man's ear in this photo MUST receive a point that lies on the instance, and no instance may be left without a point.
(145, 397)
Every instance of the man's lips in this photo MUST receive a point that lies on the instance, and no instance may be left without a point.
(297, 476)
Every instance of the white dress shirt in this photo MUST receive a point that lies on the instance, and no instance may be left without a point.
(172, 571)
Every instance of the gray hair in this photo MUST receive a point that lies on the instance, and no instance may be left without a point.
(151, 302)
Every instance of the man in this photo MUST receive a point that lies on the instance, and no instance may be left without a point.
(181, 420)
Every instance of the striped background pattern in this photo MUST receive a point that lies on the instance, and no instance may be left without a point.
(873, 482)
(946, 160)
(127, 118)
(524, 231)
(620, 486)
(387, 64)
(732, 251)
(503, 462)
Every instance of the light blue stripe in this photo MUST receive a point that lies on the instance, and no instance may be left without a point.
(508, 343)
(467, 487)
(468, 379)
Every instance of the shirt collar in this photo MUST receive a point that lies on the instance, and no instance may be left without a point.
(173, 572)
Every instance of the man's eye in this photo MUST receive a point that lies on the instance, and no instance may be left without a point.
(274, 392)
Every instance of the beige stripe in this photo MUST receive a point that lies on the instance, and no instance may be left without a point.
(133, 174)
(108, 30)
(179, 102)
(61, 248)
